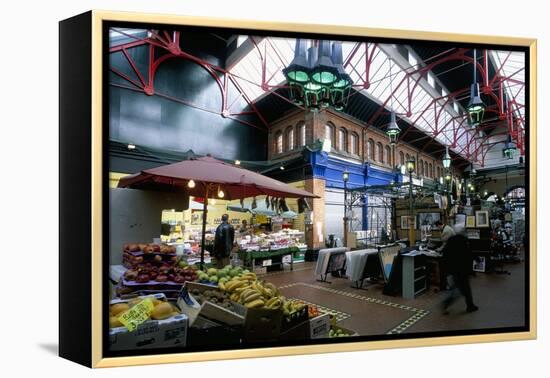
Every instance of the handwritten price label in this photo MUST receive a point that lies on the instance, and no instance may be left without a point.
(137, 314)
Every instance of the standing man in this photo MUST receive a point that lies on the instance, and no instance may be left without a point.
(223, 242)
(458, 262)
(446, 232)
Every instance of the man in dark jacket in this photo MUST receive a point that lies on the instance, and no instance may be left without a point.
(223, 242)
(457, 262)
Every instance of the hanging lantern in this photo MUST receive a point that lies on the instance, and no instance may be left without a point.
(476, 107)
(393, 129)
(446, 159)
(324, 72)
(509, 148)
(297, 72)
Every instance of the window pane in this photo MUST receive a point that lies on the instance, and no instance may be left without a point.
(279, 141)
(302, 129)
(290, 139)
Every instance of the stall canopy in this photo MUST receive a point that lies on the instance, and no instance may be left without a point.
(207, 177)
(214, 175)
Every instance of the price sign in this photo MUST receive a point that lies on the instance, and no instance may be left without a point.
(137, 314)
(287, 259)
(266, 262)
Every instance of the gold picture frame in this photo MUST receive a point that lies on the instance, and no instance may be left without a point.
(470, 221)
(91, 307)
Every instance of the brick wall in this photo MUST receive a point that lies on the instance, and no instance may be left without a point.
(315, 124)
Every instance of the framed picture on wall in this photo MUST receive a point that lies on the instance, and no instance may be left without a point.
(460, 220)
(470, 221)
(160, 112)
(405, 222)
(428, 219)
(482, 218)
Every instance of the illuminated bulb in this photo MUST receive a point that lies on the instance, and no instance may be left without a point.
(131, 146)
(221, 194)
(191, 184)
(282, 168)
(237, 162)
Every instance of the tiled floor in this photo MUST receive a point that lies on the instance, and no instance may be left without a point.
(369, 312)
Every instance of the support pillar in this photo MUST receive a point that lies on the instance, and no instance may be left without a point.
(315, 232)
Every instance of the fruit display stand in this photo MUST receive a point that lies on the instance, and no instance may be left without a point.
(146, 322)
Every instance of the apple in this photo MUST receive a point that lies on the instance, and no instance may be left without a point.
(142, 278)
(158, 258)
(162, 278)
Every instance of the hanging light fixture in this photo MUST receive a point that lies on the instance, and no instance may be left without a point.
(509, 148)
(221, 194)
(297, 72)
(476, 107)
(446, 159)
(191, 184)
(392, 130)
(316, 76)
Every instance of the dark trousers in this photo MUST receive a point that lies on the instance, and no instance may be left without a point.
(459, 284)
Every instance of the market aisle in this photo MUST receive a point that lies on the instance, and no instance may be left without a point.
(369, 312)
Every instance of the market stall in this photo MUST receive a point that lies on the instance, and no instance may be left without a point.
(207, 177)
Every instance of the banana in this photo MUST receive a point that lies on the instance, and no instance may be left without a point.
(240, 289)
(221, 285)
(234, 297)
(252, 297)
(271, 301)
(246, 293)
(274, 305)
(233, 286)
(255, 304)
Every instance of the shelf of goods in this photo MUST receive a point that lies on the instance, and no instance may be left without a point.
(152, 268)
(236, 308)
(257, 249)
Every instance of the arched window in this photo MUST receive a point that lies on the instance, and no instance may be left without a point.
(401, 158)
(370, 149)
(279, 142)
(388, 155)
(420, 168)
(408, 157)
(354, 144)
(289, 138)
(329, 133)
(431, 170)
(342, 140)
(301, 134)
(438, 172)
(426, 170)
(380, 152)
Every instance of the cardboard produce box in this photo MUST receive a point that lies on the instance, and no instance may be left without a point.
(319, 326)
(260, 324)
(189, 305)
(205, 332)
(151, 334)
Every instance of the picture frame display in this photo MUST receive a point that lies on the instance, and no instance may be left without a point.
(405, 222)
(470, 221)
(482, 218)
